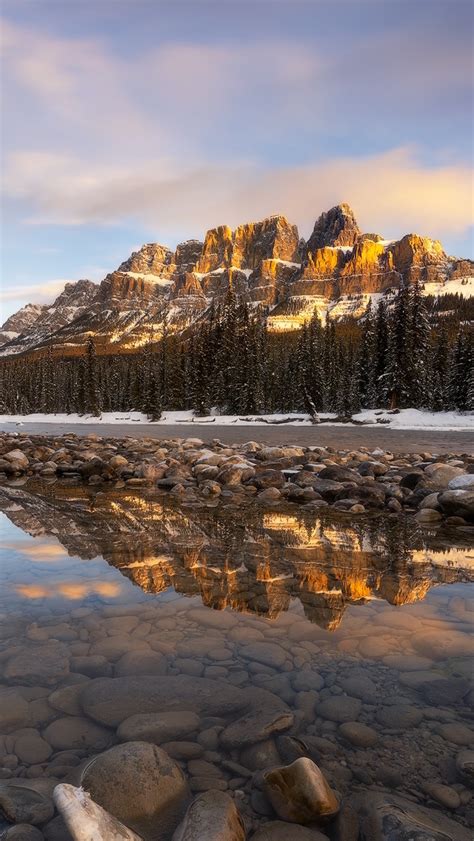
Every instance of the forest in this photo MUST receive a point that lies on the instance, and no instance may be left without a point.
(405, 352)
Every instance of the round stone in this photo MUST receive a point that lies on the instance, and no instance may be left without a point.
(140, 785)
(158, 727)
(399, 716)
(31, 748)
(22, 832)
(14, 710)
(25, 805)
(339, 708)
(447, 796)
(457, 733)
(358, 734)
(74, 732)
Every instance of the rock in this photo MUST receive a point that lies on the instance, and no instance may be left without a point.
(444, 692)
(264, 652)
(466, 480)
(158, 727)
(458, 503)
(465, 766)
(66, 699)
(340, 708)
(141, 663)
(283, 831)
(56, 830)
(31, 748)
(256, 727)
(22, 832)
(360, 686)
(42, 665)
(399, 716)
(358, 734)
(438, 646)
(306, 680)
(25, 805)
(74, 732)
(299, 793)
(457, 733)
(87, 820)
(428, 515)
(441, 474)
(14, 710)
(212, 816)
(111, 700)
(447, 796)
(140, 785)
(269, 495)
(388, 817)
(260, 755)
(18, 459)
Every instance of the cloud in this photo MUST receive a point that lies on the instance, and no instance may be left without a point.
(36, 293)
(392, 191)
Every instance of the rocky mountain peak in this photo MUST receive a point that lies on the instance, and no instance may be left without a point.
(337, 226)
(151, 258)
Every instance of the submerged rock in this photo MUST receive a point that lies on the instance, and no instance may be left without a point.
(388, 817)
(19, 804)
(140, 785)
(300, 793)
(86, 820)
(212, 816)
(283, 831)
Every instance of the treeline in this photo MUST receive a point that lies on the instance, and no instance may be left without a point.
(397, 356)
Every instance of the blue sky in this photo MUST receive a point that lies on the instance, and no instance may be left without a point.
(128, 121)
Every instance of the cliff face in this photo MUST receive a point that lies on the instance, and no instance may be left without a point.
(337, 271)
(42, 322)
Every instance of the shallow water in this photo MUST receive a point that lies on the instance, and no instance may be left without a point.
(367, 621)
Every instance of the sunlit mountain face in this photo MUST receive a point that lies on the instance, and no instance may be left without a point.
(261, 563)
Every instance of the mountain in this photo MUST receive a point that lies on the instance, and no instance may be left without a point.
(34, 324)
(20, 322)
(337, 271)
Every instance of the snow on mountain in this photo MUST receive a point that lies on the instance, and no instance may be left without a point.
(337, 271)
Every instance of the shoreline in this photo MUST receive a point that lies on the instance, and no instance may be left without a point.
(438, 490)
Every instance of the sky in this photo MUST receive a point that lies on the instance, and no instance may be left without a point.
(133, 121)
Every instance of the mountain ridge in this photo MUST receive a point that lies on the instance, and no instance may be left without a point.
(336, 271)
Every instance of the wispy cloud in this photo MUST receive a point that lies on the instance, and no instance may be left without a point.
(392, 190)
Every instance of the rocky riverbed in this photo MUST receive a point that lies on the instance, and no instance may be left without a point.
(335, 715)
(435, 489)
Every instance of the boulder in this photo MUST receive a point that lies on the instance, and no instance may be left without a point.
(140, 785)
(340, 708)
(14, 710)
(110, 701)
(465, 766)
(212, 816)
(74, 732)
(86, 820)
(388, 817)
(20, 804)
(255, 727)
(299, 793)
(158, 727)
(458, 503)
(22, 832)
(463, 482)
(42, 665)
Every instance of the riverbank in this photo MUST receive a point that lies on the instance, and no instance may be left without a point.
(436, 489)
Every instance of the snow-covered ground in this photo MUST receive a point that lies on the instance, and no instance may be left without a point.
(405, 419)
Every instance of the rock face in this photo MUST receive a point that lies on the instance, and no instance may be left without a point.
(336, 227)
(338, 270)
(35, 325)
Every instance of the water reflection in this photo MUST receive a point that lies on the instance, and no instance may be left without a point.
(259, 563)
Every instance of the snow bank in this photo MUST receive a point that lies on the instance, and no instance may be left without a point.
(405, 419)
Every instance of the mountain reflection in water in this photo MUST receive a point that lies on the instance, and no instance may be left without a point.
(256, 562)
